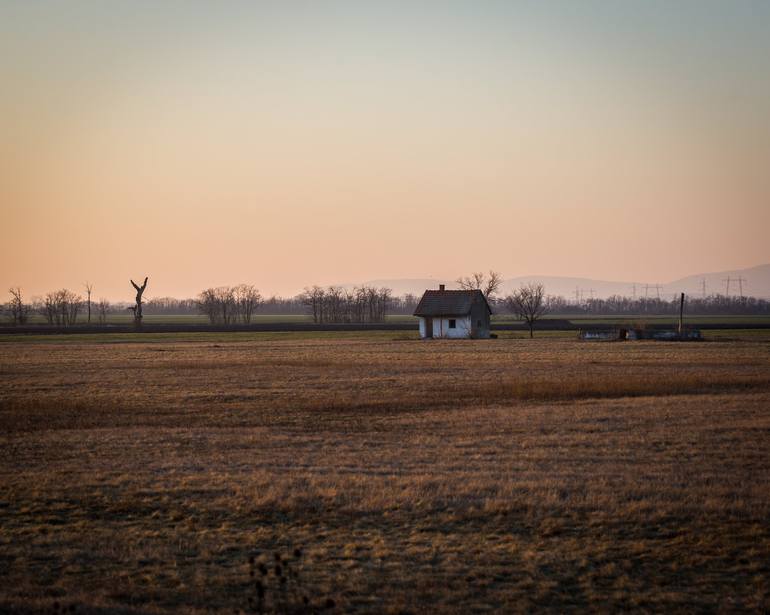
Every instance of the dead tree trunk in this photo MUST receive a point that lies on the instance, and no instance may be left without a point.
(89, 288)
(137, 309)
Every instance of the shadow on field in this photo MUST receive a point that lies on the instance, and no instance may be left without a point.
(35, 413)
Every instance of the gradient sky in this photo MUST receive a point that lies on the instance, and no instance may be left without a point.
(291, 143)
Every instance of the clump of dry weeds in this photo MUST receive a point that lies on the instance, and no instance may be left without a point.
(276, 586)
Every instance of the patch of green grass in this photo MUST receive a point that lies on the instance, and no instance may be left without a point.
(520, 335)
(405, 318)
(502, 318)
(737, 334)
(174, 319)
(651, 319)
(224, 337)
(252, 336)
(191, 319)
(691, 320)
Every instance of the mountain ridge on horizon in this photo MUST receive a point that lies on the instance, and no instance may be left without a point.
(751, 281)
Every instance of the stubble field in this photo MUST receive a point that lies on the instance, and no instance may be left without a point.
(467, 476)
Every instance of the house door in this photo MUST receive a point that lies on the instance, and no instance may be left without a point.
(428, 327)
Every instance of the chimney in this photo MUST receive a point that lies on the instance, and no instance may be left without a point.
(441, 287)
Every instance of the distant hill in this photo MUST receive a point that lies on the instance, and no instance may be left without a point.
(755, 281)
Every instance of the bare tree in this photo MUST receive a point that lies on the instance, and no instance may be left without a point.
(313, 298)
(228, 310)
(335, 304)
(102, 308)
(17, 309)
(61, 307)
(361, 304)
(209, 305)
(226, 305)
(528, 303)
(137, 309)
(89, 288)
(471, 282)
(73, 304)
(487, 284)
(492, 284)
(247, 300)
(170, 305)
(49, 309)
(383, 298)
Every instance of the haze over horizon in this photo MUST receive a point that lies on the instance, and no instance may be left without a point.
(290, 144)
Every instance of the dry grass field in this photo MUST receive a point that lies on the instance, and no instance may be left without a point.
(468, 476)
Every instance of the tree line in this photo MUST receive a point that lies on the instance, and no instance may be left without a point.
(227, 305)
(59, 307)
(363, 304)
(333, 304)
(628, 306)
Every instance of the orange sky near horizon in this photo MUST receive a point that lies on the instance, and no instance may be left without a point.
(286, 145)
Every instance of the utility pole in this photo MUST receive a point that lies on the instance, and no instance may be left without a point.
(703, 287)
(577, 296)
(681, 316)
(727, 288)
(646, 290)
(657, 289)
(741, 280)
(634, 287)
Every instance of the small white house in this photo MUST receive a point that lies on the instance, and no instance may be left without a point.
(453, 314)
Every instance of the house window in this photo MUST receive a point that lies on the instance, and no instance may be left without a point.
(452, 323)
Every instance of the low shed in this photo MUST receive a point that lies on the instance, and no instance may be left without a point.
(453, 313)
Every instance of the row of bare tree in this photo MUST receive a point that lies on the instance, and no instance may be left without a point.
(59, 307)
(337, 305)
(629, 306)
(227, 305)
(237, 304)
(170, 306)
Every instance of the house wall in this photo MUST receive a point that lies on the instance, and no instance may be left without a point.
(441, 327)
(480, 313)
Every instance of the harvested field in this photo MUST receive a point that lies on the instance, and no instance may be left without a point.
(446, 476)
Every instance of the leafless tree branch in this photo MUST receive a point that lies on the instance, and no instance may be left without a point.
(528, 303)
